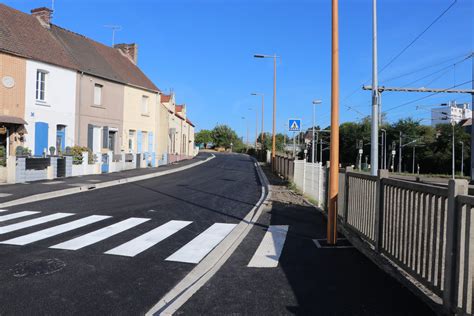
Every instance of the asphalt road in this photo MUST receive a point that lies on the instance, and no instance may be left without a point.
(9, 192)
(37, 279)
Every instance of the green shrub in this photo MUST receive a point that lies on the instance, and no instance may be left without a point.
(76, 152)
(22, 151)
(3, 156)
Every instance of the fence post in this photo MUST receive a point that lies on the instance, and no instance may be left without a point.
(455, 188)
(379, 197)
(304, 176)
(346, 194)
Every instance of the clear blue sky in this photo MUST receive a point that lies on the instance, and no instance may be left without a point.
(202, 49)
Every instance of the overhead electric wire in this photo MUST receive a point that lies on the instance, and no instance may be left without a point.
(427, 96)
(417, 37)
(427, 67)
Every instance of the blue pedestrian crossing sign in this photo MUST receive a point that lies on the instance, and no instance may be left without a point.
(294, 125)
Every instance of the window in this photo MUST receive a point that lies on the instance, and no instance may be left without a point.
(131, 137)
(40, 85)
(144, 104)
(112, 140)
(97, 94)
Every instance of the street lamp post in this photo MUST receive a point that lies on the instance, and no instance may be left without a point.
(314, 114)
(263, 103)
(274, 102)
(334, 146)
(374, 147)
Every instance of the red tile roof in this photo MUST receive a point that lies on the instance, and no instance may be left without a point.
(179, 108)
(165, 98)
(23, 35)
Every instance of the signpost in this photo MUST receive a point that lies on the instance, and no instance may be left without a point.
(294, 125)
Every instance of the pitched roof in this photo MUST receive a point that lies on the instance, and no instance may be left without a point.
(179, 116)
(190, 123)
(179, 108)
(22, 34)
(165, 98)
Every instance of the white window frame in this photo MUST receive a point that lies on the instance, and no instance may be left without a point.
(98, 93)
(144, 105)
(41, 76)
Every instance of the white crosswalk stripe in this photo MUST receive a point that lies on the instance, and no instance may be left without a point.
(269, 251)
(101, 234)
(199, 247)
(53, 231)
(148, 240)
(16, 215)
(33, 222)
(3, 211)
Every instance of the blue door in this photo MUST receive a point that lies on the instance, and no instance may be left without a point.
(41, 138)
(139, 141)
(105, 163)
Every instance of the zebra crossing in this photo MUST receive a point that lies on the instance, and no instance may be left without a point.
(192, 252)
(266, 255)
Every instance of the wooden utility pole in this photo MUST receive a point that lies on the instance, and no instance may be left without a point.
(334, 146)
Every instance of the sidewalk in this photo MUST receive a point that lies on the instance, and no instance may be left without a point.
(308, 280)
(9, 192)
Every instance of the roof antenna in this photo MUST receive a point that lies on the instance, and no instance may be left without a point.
(114, 29)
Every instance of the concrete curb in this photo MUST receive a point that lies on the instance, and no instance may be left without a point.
(85, 188)
(199, 276)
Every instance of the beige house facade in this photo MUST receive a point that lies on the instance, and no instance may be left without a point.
(12, 102)
(139, 122)
(99, 113)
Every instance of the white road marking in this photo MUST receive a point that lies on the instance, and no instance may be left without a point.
(148, 240)
(53, 231)
(5, 194)
(101, 234)
(269, 251)
(2, 210)
(33, 222)
(52, 182)
(16, 215)
(199, 247)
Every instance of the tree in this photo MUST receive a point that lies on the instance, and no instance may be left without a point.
(204, 137)
(224, 136)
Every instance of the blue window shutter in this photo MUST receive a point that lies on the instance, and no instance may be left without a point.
(41, 138)
(90, 136)
(139, 141)
(150, 142)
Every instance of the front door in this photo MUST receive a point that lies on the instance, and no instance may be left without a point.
(41, 138)
(60, 138)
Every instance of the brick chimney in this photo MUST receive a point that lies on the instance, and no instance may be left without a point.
(44, 15)
(130, 50)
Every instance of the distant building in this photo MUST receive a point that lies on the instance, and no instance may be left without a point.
(451, 112)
